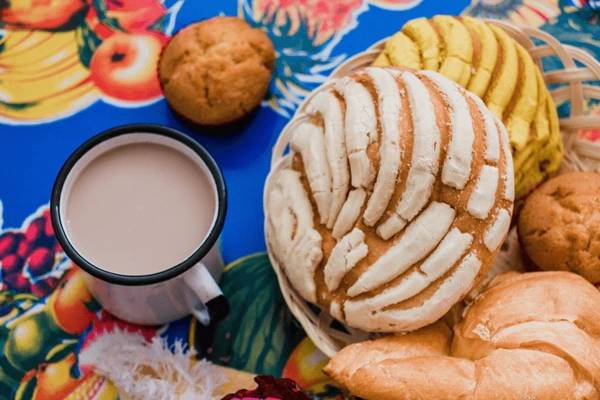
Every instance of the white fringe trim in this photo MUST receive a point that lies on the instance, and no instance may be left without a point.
(150, 370)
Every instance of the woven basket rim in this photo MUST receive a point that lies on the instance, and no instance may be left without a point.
(316, 326)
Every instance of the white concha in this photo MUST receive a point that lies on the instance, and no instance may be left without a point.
(295, 243)
(497, 230)
(328, 106)
(457, 165)
(394, 199)
(509, 172)
(361, 131)
(483, 197)
(390, 107)
(425, 155)
(420, 238)
(309, 141)
(453, 288)
(454, 245)
(349, 213)
(492, 141)
(345, 255)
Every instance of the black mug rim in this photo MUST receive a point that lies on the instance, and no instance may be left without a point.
(171, 272)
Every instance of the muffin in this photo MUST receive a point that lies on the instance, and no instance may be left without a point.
(394, 200)
(559, 226)
(485, 60)
(216, 71)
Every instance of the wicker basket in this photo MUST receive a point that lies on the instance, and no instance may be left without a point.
(578, 67)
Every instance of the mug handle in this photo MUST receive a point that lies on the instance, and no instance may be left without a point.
(212, 305)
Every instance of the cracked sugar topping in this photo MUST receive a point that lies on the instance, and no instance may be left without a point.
(398, 193)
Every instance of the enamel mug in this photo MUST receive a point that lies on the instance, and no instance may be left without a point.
(158, 298)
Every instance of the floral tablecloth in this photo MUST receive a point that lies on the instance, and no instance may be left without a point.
(56, 90)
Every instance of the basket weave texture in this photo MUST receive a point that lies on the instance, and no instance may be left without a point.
(570, 83)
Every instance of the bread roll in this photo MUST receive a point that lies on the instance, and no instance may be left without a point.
(488, 62)
(527, 336)
(396, 197)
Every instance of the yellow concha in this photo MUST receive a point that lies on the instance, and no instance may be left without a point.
(541, 120)
(543, 153)
(458, 56)
(505, 74)
(400, 49)
(487, 55)
(382, 60)
(488, 62)
(554, 146)
(427, 39)
(524, 101)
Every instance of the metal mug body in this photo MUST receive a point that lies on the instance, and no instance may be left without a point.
(188, 287)
(158, 303)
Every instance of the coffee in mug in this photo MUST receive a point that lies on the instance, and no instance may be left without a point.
(139, 208)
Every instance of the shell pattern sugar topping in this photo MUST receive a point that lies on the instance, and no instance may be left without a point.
(491, 63)
(394, 200)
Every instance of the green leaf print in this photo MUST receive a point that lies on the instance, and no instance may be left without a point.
(259, 333)
(87, 43)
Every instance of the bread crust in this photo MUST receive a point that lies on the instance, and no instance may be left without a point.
(527, 336)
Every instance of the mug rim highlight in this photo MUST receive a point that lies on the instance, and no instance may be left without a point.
(171, 272)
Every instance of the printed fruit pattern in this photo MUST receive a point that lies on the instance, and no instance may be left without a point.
(50, 14)
(488, 62)
(259, 332)
(304, 32)
(116, 68)
(305, 366)
(39, 341)
(260, 335)
(31, 260)
(530, 12)
(44, 309)
(59, 56)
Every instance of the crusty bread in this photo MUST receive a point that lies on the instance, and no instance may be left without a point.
(527, 336)
(397, 195)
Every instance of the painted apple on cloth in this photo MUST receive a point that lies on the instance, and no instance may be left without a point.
(124, 65)
(122, 44)
(60, 56)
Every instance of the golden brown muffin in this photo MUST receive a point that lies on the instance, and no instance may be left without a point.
(559, 226)
(216, 71)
